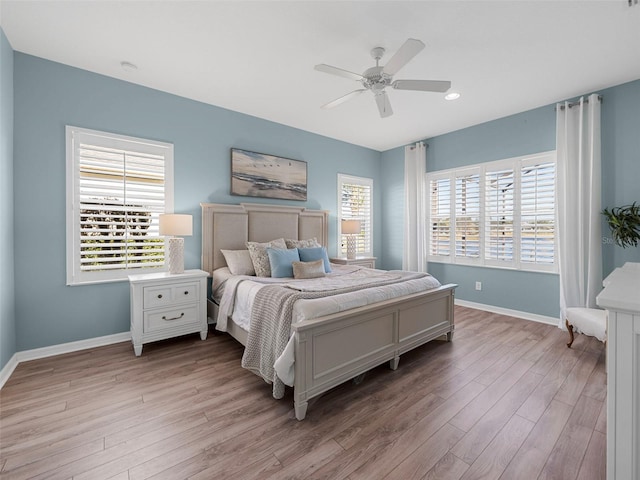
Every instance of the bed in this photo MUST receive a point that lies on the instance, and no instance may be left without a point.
(374, 333)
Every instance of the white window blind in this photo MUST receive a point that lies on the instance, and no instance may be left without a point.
(118, 188)
(537, 237)
(499, 214)
(440, 217)
(467, 220)
(355, 202)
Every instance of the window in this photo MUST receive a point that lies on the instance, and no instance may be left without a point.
(537, 207)
(116, 188)
(355, 197)
(499, 209)
(440, 213)
(467, 221)
(495, 214)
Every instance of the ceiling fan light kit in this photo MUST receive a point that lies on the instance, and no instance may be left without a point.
(379, 77)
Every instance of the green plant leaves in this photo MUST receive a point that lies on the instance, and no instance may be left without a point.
(625, 224)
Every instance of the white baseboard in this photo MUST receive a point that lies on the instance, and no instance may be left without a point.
(8, 369)
(44, 352)
(534, 317)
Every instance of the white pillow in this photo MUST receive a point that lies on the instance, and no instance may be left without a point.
(239, 262)
(308, 269)
(259, 257)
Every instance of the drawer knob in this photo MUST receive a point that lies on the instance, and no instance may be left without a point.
(173, 318)
(186, 292)
(159, 295)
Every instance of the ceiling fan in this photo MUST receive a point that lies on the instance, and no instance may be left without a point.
(378, 77)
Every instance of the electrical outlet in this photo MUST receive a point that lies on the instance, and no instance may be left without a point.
(478, 285)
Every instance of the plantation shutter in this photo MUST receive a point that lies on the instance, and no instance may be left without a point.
(537, 210)
(499, 214)
(356, 197)
(467, 216)
(120, 189)
(440, 217)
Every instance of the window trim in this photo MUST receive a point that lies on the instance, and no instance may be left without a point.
(515, 163)
(112, 140)
(365, 181)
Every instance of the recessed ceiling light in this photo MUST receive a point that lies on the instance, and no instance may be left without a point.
(128, 66)
(452, 96)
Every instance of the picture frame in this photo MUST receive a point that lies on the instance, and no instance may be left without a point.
(255, 174)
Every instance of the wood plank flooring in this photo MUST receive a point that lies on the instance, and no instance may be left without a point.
(505, 400)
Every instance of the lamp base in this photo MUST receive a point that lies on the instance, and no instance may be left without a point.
(176, 255)
(351, 247)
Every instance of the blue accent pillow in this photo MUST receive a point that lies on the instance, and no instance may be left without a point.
(280, 261)
(317, 253)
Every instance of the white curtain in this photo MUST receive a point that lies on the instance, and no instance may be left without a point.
(414, 256)
(578, 207)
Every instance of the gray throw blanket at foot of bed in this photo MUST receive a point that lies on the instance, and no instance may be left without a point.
(271, 326)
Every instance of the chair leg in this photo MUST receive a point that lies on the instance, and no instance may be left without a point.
(570, 329)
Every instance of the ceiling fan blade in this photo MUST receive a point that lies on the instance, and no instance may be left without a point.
(337, 71)
(422, 85)
(407, 51)
(343, 99)
(384, 106)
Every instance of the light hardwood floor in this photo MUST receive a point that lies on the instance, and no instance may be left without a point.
(506, 399)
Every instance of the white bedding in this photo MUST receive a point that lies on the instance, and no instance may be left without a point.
(235, 294)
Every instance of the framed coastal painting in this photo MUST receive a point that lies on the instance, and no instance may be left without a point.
(259, 175)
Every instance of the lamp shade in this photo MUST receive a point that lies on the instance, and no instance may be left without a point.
(351, 227)
(176, 224)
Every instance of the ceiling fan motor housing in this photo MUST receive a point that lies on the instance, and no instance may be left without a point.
(375, 79)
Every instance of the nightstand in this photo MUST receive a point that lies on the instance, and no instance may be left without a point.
(166, 306)
(369, 262)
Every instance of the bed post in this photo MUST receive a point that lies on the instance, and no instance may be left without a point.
(452, 307)
(300, 400)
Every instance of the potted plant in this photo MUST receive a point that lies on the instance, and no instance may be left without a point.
(625, 224)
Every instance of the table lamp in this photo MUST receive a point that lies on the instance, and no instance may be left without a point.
(176, 224)
(350, 228)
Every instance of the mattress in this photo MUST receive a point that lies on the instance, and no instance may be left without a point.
(235, 294)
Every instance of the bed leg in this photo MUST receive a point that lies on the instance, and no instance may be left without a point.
(300, 409)
(393, 363)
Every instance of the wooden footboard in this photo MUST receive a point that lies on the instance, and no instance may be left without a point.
(332, 349)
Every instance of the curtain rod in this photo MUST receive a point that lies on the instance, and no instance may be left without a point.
(413, 147)
(573, 104)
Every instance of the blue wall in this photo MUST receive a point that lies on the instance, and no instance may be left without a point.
(7, 298)
(620, 163)
(525, 133)
(49, 96)
(40, 97)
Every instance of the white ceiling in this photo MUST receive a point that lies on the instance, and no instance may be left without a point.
(257, 57)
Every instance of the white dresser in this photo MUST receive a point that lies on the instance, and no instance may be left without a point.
(165, 306)
(621, 299)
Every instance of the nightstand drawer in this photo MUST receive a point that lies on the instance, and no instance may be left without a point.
(170, 294)
(171, 317)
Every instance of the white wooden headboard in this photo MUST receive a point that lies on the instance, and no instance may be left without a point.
(228, 227)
